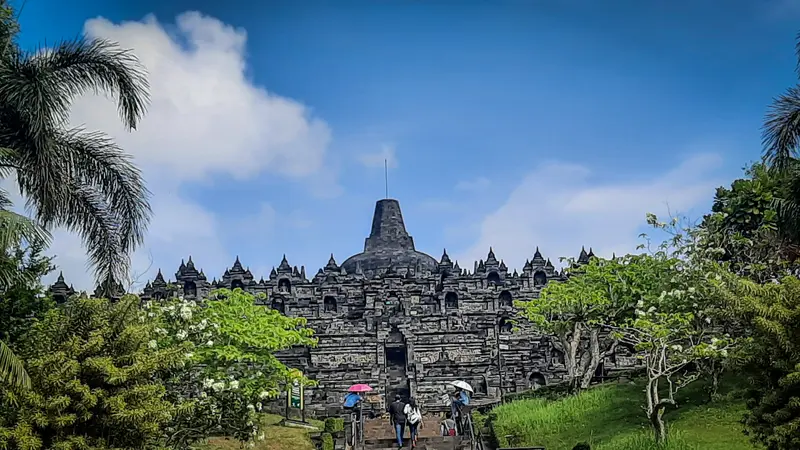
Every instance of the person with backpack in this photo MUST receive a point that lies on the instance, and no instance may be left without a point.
(414, 419)
(397, 417)
(448, 425)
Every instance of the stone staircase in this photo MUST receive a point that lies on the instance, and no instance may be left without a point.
(379, 435)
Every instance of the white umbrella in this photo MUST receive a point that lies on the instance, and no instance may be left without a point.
(462, 385)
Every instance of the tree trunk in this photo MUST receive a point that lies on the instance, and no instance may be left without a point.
(571, 341)
(596, 357)
(716, 372)
(658, 427)
(655, 410)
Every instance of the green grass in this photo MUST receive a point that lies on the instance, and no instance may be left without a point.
(610, 418)
(276, 437)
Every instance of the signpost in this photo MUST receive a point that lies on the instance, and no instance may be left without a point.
(295, 399)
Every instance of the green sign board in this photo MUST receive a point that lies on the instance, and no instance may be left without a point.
(295, 395)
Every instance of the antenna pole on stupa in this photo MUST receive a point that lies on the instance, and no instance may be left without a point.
(386, 176)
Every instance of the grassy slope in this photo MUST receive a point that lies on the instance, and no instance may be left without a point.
(276, 437)
(611, 418)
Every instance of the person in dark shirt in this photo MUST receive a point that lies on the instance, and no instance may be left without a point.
(397, 416)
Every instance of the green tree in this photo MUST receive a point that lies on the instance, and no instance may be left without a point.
(770, 356)
(576, 312)
(16, 231)
(677, 304)
(72, 178)
(752, 224)
(20, 304)
(94, 376)
(231, 344)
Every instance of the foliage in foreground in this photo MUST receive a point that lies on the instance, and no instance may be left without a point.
(230, 342)
(93, 381)
(113, 375)
(771, 358)
(753, 224)
(22, 301)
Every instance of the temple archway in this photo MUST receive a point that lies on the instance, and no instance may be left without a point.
(539, 278)
(505, 326)
(284, 285)
(278, 305)
(451, 300)
(506, 301)
(189, 289)
(536, 380)
(237, 284)
(329, 304)
(493, 278)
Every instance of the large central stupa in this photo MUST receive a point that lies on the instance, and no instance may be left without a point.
(389, 245)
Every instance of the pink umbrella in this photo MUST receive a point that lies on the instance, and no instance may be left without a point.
(359, 388)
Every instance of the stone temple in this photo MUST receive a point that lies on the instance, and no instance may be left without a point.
(401, 321)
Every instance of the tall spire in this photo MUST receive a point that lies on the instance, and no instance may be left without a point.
(388, 228)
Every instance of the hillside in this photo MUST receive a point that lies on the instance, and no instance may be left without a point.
(610, 418)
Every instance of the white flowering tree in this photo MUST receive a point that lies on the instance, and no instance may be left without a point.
(672, 328)
(231, 368)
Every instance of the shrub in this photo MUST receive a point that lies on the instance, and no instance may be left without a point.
(334, 425)
(327, 441)
(94, 374)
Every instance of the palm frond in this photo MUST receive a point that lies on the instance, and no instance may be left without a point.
(47, 81)
(16, 228)
(781, 130)
(78, 66)
(86, 212)
(11, 368)
(97, 161)
(69, 177)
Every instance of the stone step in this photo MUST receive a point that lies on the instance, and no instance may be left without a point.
(381, 428)
(429, 443)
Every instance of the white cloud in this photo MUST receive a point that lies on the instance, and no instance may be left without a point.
(476, 185)
(557, 208)
(376, 159)
(206, 118)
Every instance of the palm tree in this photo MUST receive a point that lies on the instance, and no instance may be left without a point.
(781, 130)
(69, 177)
(15, 228)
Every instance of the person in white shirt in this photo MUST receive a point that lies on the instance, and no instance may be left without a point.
(414, 419)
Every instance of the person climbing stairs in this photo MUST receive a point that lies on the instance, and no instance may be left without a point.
(379, 435)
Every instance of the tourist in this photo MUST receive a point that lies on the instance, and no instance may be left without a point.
(448, 425)
(414, 419)
(460, 399)
(352, 400)
(352, 404)
(397, 416)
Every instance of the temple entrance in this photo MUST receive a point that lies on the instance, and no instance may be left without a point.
(396, 362)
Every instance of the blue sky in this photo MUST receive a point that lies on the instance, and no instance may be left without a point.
(509, 123)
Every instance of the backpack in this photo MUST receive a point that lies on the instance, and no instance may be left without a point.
(414, 416)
